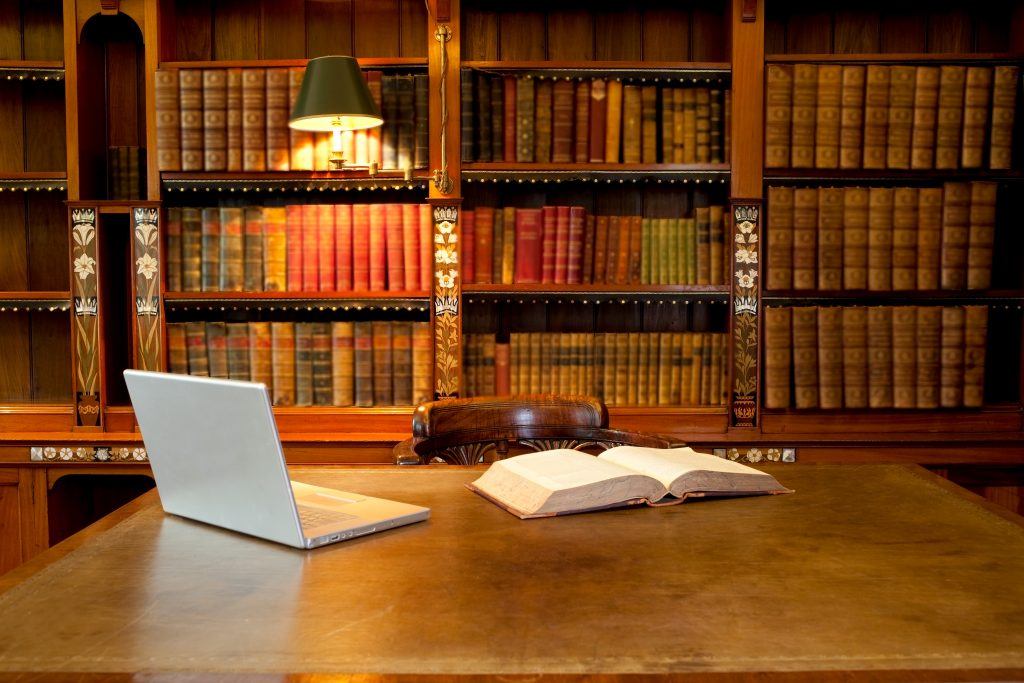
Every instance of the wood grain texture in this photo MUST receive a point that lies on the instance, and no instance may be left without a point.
(570, 34)
(236, 30)
(12, 152)
(376, 28)
(193, 34)
(16, 346)
(328, 27)
(481, 34)
(14, 237)
(710, 32)
(747, 105)
(284, 29)
(666, 33)
(51, 357)
(617, 34)
(522, 35)
(413, 39)
(856, 31)
(48, 248)
(44, 129)
(10, 31)
(10, 521)
(42, 36)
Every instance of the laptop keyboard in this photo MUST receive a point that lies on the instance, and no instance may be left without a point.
(311, 517)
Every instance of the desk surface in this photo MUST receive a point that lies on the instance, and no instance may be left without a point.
(866, 568)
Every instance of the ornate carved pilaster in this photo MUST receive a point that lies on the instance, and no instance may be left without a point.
(745, 304)
(446, 300)
(146, 286)
(85, 320)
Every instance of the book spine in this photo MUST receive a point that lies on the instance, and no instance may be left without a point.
(411, 247)
(956, 208)
(805, 237)
(780, 238)
(168, 120)
(300, 141)
(282, 351)
(233, 120)
(929, 351)
(631, 124)
(929, 237)
(880, 360)
(835, 208)
(190, 102)
(497, 86)
(275, 248)
(401, 361)
(975, 338)
(364, 370)
(378, 257)
(426, 223)
(830, 357)
(563, 99)
(382, 363)
(827, 116)
(466, 117)
(343, 246)
(600, 249)
(278, 152)
(482, 114)
(389, 109)
(665, 110)
(876, 115)
(507, 255)
(237, 341)
(952, 79)
(421, 95)
(374, 153)
(310, 231)
(510, 142)
(422, 363)
(173, 249)
(210, 249)
(901, 115)
(405, 121)
(524, 119)
(589, 235)
(254, 119)
(342, 363)
(217, 349)
(951, 360)
(851, 117)
(855, 356)
(598, 120)
(232, 250)
(261, 355)
(805, 356)
(716, 134)
(981, 234)
(926, 107)
(303, 364)
(855, 237)
(880, 238)
(703, 221)
(542, 121)
(778, 358)
(977, 95)
(196, 351)
(718, 245)
(581, 113)
(689, 125)
(904, 238)
(904, 356)
(1004, 105)
(574, 266)
(483, 263)
(528, 246)
(561, 262)
(361, 230)
(679, 126)
(805, 86)
(326, 249)
(613, 122)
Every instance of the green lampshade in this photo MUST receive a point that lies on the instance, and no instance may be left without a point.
(334, 95)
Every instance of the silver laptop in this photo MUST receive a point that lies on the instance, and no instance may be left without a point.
(217, 458)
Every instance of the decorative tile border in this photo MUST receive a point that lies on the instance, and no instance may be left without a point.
(447, 321)
(87, 454)
(756, 455)
(84, 292)
(146, 259)
(746, 264)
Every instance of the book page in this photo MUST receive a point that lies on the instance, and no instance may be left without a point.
(669, 464)
(563, 468)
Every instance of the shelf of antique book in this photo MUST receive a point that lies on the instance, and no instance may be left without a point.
(942, 297)
(652, 71)
(898, 58)
(497, 172)
(293, 181)
(848, 422)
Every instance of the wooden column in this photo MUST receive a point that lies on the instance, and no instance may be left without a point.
(87, 357)
(746, 192)
(146, 279)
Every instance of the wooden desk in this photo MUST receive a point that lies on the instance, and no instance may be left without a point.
(883, 571)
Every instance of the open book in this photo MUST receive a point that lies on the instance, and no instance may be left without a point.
(564, 481)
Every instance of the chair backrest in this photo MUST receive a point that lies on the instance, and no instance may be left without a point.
(473, 430)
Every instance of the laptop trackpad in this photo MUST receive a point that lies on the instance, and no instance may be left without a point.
(332, 497)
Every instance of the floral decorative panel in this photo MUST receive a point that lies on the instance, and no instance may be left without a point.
(146, 265)
(746, 265)
(84, 293)
(67, 453)
(447, 323)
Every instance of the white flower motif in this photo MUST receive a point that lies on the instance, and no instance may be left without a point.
(146, 233)
(754, 455)
(85, 266)
(746, 280)
(147, 266)
(746, 227)
(740, 239)
(746, 255)
(445, 227)
(446, 280)
(734, 454)
(774, 454)
(445, 256)
(103, 454)
(49, 453)
(83, 233)
(139, 453)
(66, 454)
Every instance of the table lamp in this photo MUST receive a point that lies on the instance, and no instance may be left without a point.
(334, 98)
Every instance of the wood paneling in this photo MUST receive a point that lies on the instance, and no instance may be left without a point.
(328, 27)
(903, 32)
(570, 34)
(48, 243)
(51, 357)
(13, 237)
(236, 30)
(522, 36)
(667, 34)
(376, 28)
(194, 34)
(10, 31)
(10, 520)
(480, 33)
(284, 29)
(617, 34)
(42, 25)
(15, 357)
(949, 30)
(856, 31)
(414, 28)
(710, 39)
(44, 129)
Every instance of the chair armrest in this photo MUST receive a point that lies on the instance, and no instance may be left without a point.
(405, 452)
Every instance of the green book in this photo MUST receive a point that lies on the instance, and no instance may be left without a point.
(690, 232)
(661, 247)
(645, 251)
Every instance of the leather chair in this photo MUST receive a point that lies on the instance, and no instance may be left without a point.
(469, 431)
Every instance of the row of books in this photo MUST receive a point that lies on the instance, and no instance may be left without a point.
(882, 238)
(236, 119)
(890, 116)
(875, 357)
(567, 245)
(300, 248)
(634, 368)
(528, 119)
(364, 364)
(126, 173)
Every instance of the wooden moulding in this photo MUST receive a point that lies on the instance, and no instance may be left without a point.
(897, 57)
(365, 62)
(866, 423)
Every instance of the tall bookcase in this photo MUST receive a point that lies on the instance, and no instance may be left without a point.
(80, 78)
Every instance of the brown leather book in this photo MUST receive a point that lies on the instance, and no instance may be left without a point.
(929, 237)
(635, 250)
(301, 141)
(901, 115)
(880, 356)
(172, 249)
(778, 356)
(261, 355)
(929, 345)
(254, 119)
(482, 114)
(851, 117)
(975, 336)
(904, 356)
(855, 356)
(589, 235)
(855, 237)
(598, 120)
(234, 119)
(177, 349)
(830, 357)
(382, 363)
(805, 356)
(805, 237)
(581, 116)
(423, 362)
(211, 249)
(702, 114)
(191, 249)
(697, 367)
(951, 359)
(778, 115)
(613, 125)
(956, 211)
(470, 385)
(525, 119)
(278, 138)
(926, 106)
(683, 352)
(779, 224)
(237, 340)
(981, 234)
(977, 95)
(952, 79)
(678, 125)
(303, 364)
(232, 251)
(275, 248)
(718, 245)
(282, 351)
(827, 116)
(702, 218)
(880, 238)
(1004, 105)
(667, 124)
(876, 115)
(196, 350)
(497, 86)
(601, 250)
(562, 122)
(904, 238)
(716, 130)
(252, 250)
(342, 363)
(190, 102)
(483, 261)
(215, 103)
(510, 142)
(217, 349)
(508, 246)
(632, 112)
(833, 210)
(364, 357)
(487, 350)
(168, 121)
(649, 124)
(543, 120)
(401, 363)
(689, 125)
(727, 125)
(805, 97)
(622, 254)
(321, 355)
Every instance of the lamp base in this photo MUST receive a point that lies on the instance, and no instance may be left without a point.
(336, 161)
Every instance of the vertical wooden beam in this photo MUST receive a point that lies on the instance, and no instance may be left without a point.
(145, 227)
(71, 96)
(747, 102)
(35, 531)
(85, 315)
(151, 44)
(444, 61)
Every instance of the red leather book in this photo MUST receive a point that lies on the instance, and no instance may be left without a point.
(469, 247)
(378, 245)
(528, 246)
(361, 247)
(293, 251)
(589, 234)
(510, 118)
(325, 247)
(561, 124)
(600, 250)
(342, 247)
(483, 263)
(411, 246)
(598, 119)
(577, 222)
(310, 249)
(426, 249)
(635, 248)
(622, 250)
(611, 269)
(561, 244)
(581, 138)
(393, 247)
(547, 248)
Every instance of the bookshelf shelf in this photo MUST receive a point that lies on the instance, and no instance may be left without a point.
(496, 172)
(33, 181)
(293, 181)
(365, 62)
(989, 419)
(869, 298)
(31, 70)
(915, 177)
(35, 301)
(311, 301)
(644, 71)
(598, 293)
(896, 58)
